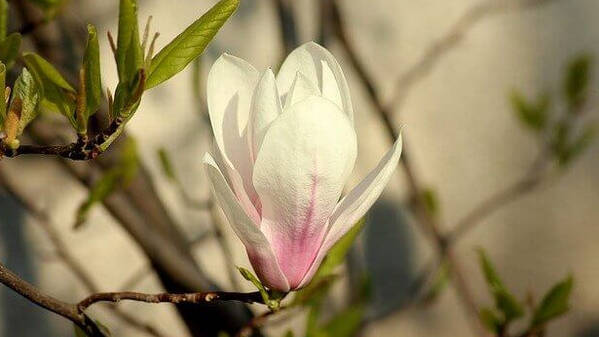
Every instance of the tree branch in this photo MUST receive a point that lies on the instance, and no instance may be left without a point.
(194, 298)
(76, 312)
(528, 183)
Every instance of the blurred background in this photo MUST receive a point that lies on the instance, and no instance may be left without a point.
(464, 78)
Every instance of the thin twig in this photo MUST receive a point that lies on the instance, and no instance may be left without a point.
(76, 312)
(528, 183)
(195, 298)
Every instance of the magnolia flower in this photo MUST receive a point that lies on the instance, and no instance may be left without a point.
(286, 146)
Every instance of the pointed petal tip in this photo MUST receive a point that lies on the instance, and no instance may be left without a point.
(208, 159)
(312, 44)
(268, 74)
(226, 57)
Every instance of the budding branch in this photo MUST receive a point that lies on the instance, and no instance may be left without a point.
(82, 149)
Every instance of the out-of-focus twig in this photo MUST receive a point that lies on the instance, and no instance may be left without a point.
(201, 297)
(450, 40)
(530, 181)
(65, 255)
(287, 23)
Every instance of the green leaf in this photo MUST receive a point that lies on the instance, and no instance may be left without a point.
(583, 141)
(576, 81)
(188, 45)
(27, 92)
(9, 49)
(46, 70)
(58, 95)
(439, 283)
(2, 95)
(566, 151)
(431, 201)
(532, 114)
(128, 96)
(249, 276)
(97, 193)
(3, 19)
(346, 323)
(289, 333)
(129, 55)
(504, 300)
(554, 303)
(166, 164)
(490, 320)
(93, 79)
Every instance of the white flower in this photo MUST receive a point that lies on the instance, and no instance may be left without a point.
(286, 147)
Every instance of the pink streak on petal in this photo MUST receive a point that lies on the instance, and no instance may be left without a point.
(296, 251)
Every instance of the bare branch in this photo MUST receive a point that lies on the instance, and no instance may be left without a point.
(195, 298)
(75, 312)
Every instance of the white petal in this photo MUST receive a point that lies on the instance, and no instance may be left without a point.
(259, 250)
(236, 184)
(301, 88)
(305, 159)
(330, 88)
(266, 107)
(230, 87)
(355, 204)
(308, 59)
